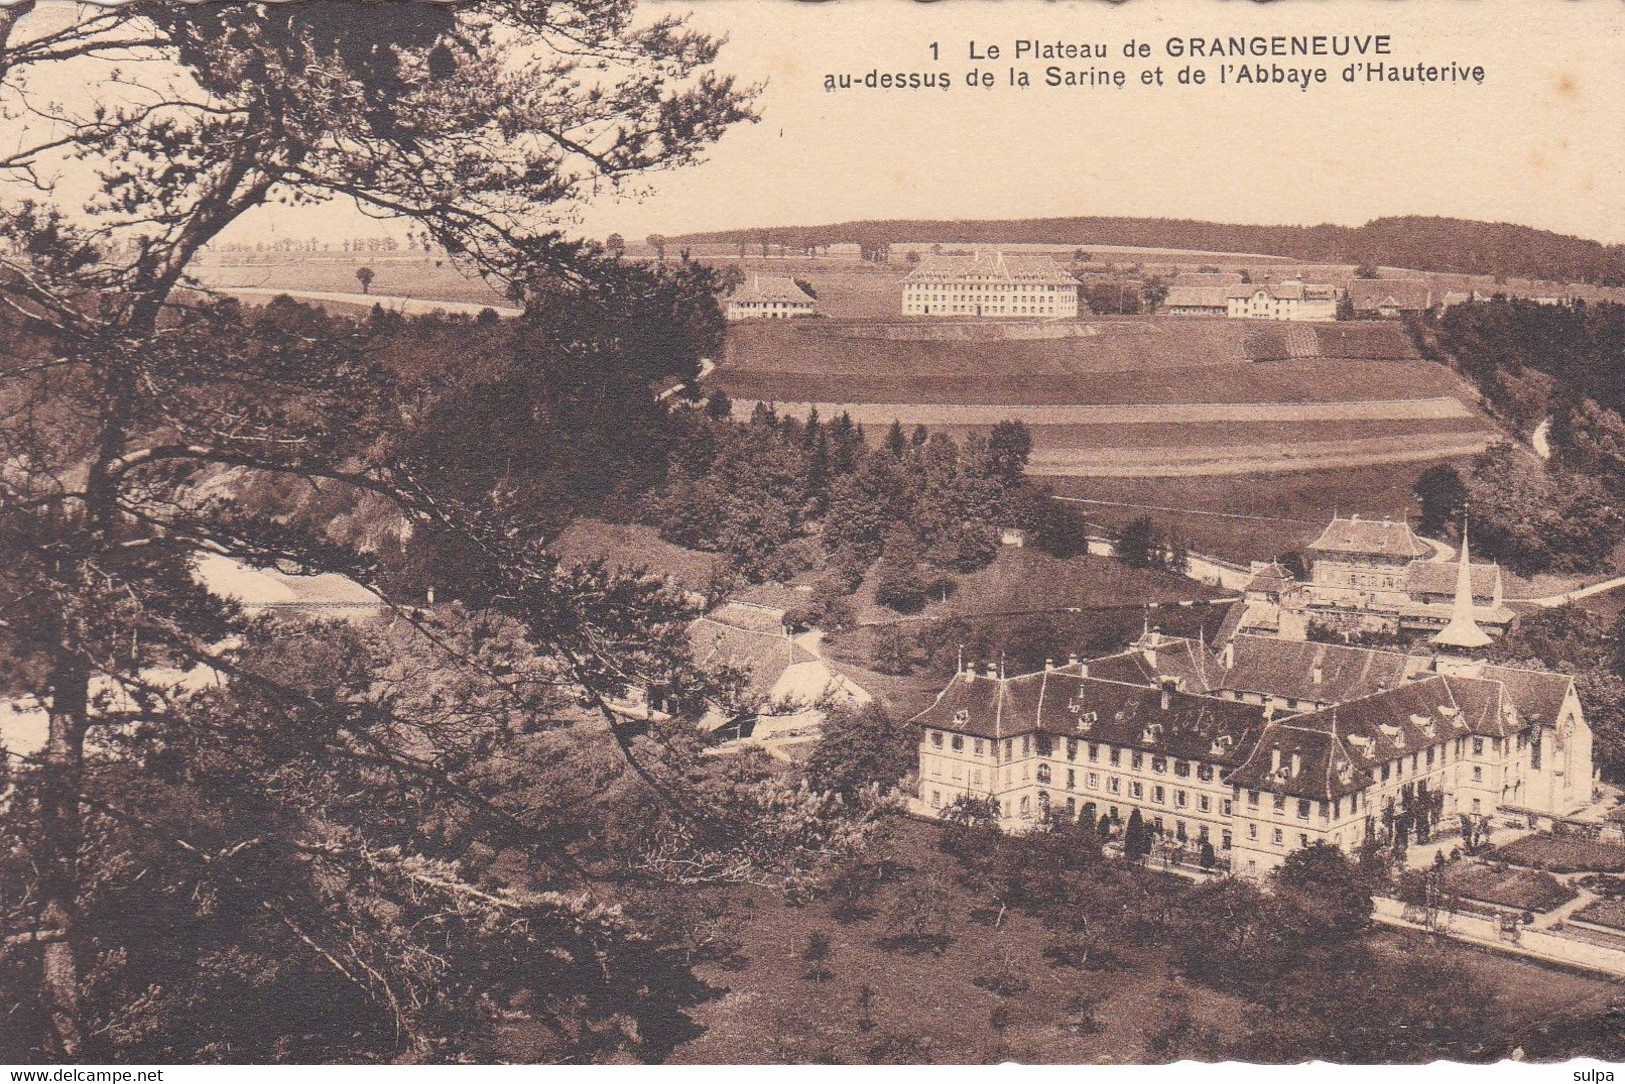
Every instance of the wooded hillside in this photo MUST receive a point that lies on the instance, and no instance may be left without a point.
(1423, 243)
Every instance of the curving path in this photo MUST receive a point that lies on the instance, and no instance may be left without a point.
(1442, 552)
(706, 368)
(1540, 438)
(1564, 597)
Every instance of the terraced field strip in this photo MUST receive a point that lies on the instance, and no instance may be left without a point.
(1437, 408)
(1144, 434)
(1181, 460)
(1000, 381)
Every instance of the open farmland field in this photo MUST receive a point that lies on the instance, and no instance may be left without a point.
(1125, 398)
(1248, 382)
(945, 348)
(393, 275)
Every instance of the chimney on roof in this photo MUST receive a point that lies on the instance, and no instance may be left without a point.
(1167, 685)
(1318, 674)
(1297, 764)
(1229, 657)
(1049, 664)
(1275, 759)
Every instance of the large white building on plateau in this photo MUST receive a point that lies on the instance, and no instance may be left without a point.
(769, 297)
(990, 284)
(1264, 746)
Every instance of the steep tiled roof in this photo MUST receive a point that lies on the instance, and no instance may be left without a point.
(1233, 617)
(1368, 295)
(1291, 290)
(973, 704)
(1064, 703)
(770, 288)
(1286, 668)
(765, 656)
(1190, 727)
(1483, 705)
(1376, 715)
(1207, 297)
(1537, 694)
(1339, 746)
(1194, 667)
(1439, 578)
(1324, 767)
(1271, 579)
(1356, 535)
(992, 267)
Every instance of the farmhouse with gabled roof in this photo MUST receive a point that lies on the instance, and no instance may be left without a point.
(769, 297)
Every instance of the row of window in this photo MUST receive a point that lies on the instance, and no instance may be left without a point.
(1332, 810)
(1278, 837)
(1033, 310)
(984, 288)
(1046, 745)
(1136, 789)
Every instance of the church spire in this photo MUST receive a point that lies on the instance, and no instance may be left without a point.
(1463, 630)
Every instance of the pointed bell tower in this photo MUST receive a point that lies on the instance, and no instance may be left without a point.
(1462, 633)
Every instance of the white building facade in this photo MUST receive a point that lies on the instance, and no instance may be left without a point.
(1261, 748)
(991, 284)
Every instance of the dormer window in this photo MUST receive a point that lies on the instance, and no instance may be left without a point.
(962, 717)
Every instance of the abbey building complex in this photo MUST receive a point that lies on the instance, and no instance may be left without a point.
(1259, 745)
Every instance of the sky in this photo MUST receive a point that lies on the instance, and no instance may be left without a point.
(1537, 143)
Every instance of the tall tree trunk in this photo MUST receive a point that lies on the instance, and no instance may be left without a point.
(61, 829)
(61, 782)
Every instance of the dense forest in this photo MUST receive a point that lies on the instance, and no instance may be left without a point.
(1449, 245)
(1535, 363)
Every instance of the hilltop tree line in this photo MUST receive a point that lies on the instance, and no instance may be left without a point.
(781, 496)
(1449, 245)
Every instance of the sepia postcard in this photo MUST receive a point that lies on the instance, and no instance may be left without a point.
(746, 532)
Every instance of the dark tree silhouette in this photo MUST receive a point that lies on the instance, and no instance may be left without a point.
(139, 400)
